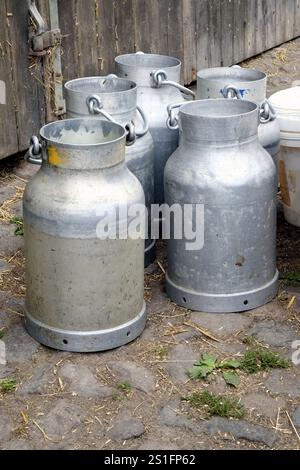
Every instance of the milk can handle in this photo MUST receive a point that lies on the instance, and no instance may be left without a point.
(95, 106)
(267, 112)
(145, 123)
(231, 91)
(160, 78)
(34, 153)
(172, 121)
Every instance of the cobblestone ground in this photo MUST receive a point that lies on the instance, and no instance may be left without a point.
(131, 398)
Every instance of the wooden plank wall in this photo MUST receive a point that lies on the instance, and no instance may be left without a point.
(202, 33)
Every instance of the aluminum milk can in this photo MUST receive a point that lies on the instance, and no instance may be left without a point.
(157, 78)
(238, 82)
(223, 172)
(84, 291)
(115, 99)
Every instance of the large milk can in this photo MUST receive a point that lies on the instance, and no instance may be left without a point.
(226, 260)
(84, 289)
(115, 99)
(249, 84)
(157, 78)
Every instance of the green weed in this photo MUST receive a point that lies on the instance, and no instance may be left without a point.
(125, 387)
(216, 405)
(18, 221)
(7, 385)
(261, 358)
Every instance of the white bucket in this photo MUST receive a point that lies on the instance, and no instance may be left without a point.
(287, 106)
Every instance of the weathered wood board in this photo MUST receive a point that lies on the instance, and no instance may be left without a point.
(202, 33)
(24, 111)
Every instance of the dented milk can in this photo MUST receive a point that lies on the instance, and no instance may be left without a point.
(115, 99)
(238, 82)
(84, 289)
(157, 78)
(222, 173)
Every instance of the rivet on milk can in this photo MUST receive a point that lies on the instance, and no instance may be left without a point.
(221, 171)
(84, 290)
(287, 106)
(115, 99)
(157, 78)
(241, 83)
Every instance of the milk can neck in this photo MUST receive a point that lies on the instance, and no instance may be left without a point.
(115, 96)
(83, 144)
(210, 122)
(248, 84)
(140, 67)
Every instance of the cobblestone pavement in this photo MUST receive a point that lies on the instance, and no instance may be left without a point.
(131, 398)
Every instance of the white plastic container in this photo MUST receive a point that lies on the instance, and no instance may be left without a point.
(287, 106)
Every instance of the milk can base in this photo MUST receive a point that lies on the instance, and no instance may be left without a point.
(222, 303)
(87, 341)
(150, 254)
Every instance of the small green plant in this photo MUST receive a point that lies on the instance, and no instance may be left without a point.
(216, 405)
(1, 333)
(125, 387)
(261, 358)
(256, 359)
(231, 378)
(18, 221)
(291, 278)
(204, 367)
(7, 385)
(208, 364)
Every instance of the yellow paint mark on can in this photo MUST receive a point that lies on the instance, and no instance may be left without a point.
(54, 157)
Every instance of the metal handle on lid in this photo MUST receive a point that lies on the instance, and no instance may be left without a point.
(145, 123)
(231, 91)
(267, 112)
(172, 121)
(160, 78)
(95, 106)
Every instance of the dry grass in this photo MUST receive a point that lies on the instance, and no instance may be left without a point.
(13, 280)
(273, 68)
(6, 209)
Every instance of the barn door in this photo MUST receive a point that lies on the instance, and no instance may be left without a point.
(29, 70)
